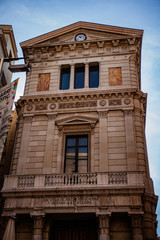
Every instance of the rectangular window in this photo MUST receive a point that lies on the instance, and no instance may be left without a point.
(94, 76)
(79, 77)
(65, 78)
(76, 154)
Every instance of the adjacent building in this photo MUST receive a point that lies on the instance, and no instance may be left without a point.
(80, 169)
(8, 49)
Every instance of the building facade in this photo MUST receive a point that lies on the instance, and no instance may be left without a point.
(79, 169)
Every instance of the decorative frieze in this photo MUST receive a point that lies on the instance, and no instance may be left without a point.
(77, 104)
(102, 103)
(41, 107)
(70, 201)
(114, 102)
(127, 101)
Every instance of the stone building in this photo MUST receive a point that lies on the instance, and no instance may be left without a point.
(79, 169)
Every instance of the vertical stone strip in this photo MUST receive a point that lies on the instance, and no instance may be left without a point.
(72, 77)
(59, 152)
(137, 227)
(38, 228)
(86, 84)
(130, 141)
(17, 145)
(21, 168)
(103, 142)
(47, 168)
(139, 140)
(104, 227)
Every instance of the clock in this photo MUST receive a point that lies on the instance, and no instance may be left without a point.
(80, 37)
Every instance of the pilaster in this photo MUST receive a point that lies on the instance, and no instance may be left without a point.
(103, 142)
(104, 227)
(130, 141)
(38, 227)
(47, 168)
(137, 227)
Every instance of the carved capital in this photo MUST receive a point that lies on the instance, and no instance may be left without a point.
(131, 41)
(58, 48)
(52, 117)
(127, 112)
(115, 42)
(100, 44)
(72, 47)
(86, 45)
(103, 221)
(136, 221)
(103, 114)
(27, 118)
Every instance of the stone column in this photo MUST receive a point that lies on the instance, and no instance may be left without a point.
(10, 228)
(104, 227)
(86, 83)
(137, 227)
(72, 77)
(38, 227)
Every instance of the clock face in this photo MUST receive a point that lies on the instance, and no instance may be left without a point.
(80, 37)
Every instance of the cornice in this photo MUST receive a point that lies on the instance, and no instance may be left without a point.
(69, 97)
(115, 42)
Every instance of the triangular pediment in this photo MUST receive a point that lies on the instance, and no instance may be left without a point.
(76, 120)
(91, 30)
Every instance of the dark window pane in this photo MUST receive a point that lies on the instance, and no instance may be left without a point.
(65, 78)
(76, 154)
(93, 76)
(83, 149)
(83, 141)
(71, 141)
(79, 77)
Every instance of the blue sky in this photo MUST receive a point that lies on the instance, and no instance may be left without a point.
(31, 18)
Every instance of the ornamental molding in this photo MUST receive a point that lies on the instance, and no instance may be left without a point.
(50, 49)
(76, 120)
(103, 95)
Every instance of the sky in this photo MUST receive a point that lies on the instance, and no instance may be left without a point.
(31, 18)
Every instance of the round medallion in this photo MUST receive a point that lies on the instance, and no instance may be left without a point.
(29, 107)
(53, 106)
(102, 102)
(127, 101)
(80, 37)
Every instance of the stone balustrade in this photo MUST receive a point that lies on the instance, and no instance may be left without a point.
(110, 179)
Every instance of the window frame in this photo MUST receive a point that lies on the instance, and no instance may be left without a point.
(90, 66)
(77, 147)
(77, 133)
(63, 68)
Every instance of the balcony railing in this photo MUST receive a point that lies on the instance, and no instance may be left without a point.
(15, 182)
